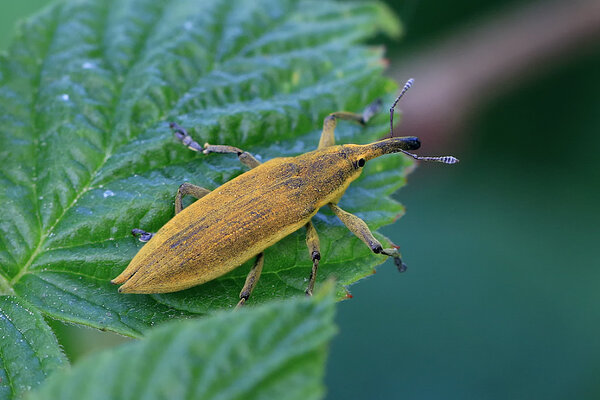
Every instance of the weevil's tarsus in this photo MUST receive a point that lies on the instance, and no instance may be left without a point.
(251, 280)
(245, 158)
(182, 135)
(359, 228)
(330, 122)
(371, 110)
(144, 236)
(396, 257)
(188, 189)
(407, 86)
(312, 242)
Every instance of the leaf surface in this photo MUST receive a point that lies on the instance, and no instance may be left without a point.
(86, 94)
(276, 351)
(28, 349)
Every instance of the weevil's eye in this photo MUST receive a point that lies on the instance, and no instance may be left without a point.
(361, 162)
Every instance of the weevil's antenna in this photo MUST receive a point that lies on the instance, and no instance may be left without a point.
(442, 159)
(407, 86)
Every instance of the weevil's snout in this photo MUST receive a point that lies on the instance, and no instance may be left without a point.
(402, 145)
(389, 146)
(412, 143)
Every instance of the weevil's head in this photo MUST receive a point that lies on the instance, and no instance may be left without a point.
(332, 169)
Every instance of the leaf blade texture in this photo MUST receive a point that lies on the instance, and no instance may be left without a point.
(28, 348)
(272, 351)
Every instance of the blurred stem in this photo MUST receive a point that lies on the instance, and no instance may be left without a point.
(455, 77)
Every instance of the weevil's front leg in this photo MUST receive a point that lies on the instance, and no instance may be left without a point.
(251, 279)
(312, 242)
(245, 157)
(185, 189)
(362, 231)
(329, 123)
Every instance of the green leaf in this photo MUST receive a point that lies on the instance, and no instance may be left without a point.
(276, 351)
(28, 349)
(86, 92)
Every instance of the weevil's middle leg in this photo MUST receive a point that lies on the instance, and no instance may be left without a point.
(312, 242)
(185, 138)
(330, 122)
(185, 189)
(251, 279)
(362, 231)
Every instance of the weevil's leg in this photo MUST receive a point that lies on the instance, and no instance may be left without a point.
(251, 279)
(362, 231)
(245, 157)
(185, 138)
(329, 123)
(185, 189)
(144, 236)
(312, 242)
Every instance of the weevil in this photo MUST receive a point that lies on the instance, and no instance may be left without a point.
(240, 219)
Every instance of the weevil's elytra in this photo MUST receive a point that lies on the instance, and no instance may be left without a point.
(240, 219)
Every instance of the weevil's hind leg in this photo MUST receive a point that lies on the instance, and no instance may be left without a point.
(329, 123)
(312, 242)
(362, 231)
(185, 189)
(185, 138)
(251, 279)
(144, 236)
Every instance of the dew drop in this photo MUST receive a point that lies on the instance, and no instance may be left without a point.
(108, 193)
(65, 97)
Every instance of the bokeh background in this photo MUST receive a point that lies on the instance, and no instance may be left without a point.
(502, 296)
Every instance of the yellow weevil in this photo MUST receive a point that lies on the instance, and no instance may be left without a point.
(237, 221)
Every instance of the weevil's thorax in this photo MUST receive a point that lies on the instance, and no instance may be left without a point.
(328, 172)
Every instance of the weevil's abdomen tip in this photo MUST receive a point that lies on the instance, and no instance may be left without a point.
(118, 280)
(124, 276)
(126, 288)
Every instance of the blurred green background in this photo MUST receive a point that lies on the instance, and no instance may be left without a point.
(501, 298)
